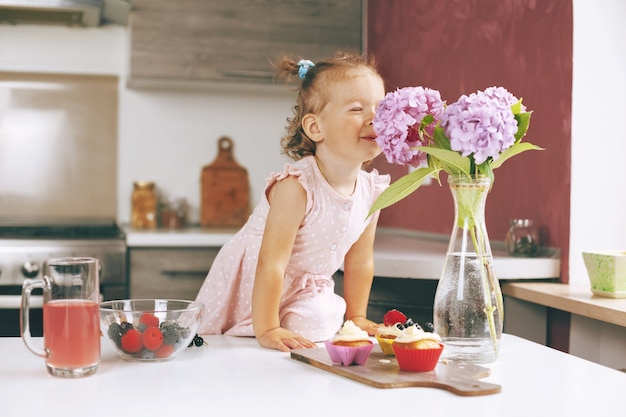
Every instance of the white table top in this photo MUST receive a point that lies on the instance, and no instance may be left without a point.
(235, 377)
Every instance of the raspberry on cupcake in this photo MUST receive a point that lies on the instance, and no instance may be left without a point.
(390, 330)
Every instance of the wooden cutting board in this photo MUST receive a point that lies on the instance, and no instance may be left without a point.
(225, 188)
(382, 371)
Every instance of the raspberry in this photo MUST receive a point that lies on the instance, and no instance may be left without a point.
(152, 338)
(164, 351)
(393, 316)
(132, 341)
(150, 320)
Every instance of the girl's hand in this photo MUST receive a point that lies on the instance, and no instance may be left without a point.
(284, 340)
(365, 324)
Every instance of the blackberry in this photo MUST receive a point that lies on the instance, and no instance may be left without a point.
(409, 322)
(141, 327)
(173, 333)
(126, 326)
(429, 327)
(115, 334)
(400, 326)
(170, 336)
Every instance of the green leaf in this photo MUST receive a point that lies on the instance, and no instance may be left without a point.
(512, 151)
(426, 120)
(401, 188)
(440, 139)
(451, 161)
(523, 121)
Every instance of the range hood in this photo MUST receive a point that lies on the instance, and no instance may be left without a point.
(57, 12)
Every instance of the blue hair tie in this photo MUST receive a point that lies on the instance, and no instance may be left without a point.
(304, 65)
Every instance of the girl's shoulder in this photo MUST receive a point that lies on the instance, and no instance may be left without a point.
(302, 171)
(375, 181)
(300, 168)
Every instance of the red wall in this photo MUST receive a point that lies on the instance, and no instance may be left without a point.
(460, 46)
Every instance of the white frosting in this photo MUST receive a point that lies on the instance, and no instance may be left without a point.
(389, 331)
(350, 332)
(413, 334)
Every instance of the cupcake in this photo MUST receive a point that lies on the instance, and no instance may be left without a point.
(350, 346)
(392, 327)
(417, 350)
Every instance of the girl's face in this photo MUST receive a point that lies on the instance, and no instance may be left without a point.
(345, 123)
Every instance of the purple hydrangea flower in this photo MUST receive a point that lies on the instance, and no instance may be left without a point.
(481, 124)
(397, 121)
(502, 95)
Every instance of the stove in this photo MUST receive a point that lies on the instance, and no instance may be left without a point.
(25, 244)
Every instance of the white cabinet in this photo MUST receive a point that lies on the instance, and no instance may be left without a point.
(169, 272)
(235, 40)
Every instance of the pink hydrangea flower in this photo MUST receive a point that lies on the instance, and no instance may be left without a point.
(397, 122)
(481, 124)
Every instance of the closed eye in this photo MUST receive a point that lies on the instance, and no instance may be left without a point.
(356, 109)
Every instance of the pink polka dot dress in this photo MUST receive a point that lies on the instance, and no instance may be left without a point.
(308, 306)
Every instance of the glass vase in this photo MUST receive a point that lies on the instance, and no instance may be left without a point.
(468, 312)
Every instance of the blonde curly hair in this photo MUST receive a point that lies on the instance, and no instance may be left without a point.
(314, 93)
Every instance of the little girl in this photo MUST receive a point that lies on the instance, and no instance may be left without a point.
(273, 279)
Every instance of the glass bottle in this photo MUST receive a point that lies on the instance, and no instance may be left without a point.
(143, 205)
(522, 238)
(468, 308)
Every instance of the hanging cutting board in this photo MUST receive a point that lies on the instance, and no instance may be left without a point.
(382, 371)
(225, 200)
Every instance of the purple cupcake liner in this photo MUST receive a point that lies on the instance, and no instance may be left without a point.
(348, 355)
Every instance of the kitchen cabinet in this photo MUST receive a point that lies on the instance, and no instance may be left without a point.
(169, 272)
(235, 40)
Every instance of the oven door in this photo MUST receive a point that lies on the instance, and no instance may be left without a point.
(10, 300)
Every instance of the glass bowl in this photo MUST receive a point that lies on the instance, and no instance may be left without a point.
(150, 330)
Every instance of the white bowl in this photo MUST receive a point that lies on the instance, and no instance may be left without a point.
(607, 272)
(150, 329)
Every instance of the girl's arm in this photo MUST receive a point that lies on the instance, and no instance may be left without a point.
(287, 206)
(358, 277)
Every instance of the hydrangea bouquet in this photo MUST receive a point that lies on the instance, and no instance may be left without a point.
(472, 137)
(468, 139)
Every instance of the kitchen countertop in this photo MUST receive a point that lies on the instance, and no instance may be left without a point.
(397, 253)
(234, 377)
(576, 299)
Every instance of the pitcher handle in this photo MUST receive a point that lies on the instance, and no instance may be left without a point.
(27, 287)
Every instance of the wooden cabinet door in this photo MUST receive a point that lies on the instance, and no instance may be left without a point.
(236, 40)
(169, 273)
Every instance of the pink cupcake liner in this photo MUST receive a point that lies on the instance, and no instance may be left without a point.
(417, 360)
(348, 355)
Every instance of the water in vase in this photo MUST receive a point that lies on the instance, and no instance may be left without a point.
(466, 310)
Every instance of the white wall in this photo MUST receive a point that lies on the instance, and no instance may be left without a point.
(598, 199)
(166, 136)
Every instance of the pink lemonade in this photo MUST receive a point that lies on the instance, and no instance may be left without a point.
(71, 333)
